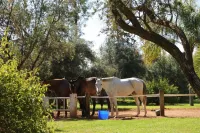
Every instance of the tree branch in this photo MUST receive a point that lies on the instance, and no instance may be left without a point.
(168, 24)
(126, 11)
(150, 36)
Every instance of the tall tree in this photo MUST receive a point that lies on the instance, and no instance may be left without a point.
(42, 30)
(121, 57)
(38, 29)
(165, 67)
(76, 66)
(165, 23)
(119, 54)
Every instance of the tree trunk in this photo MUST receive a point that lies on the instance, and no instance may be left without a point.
(191, 76)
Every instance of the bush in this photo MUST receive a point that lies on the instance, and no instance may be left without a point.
(154, 86)
(21, 94)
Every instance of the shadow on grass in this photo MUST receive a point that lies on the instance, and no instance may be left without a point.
(78, 119)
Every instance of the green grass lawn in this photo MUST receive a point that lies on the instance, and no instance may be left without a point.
(146, 125)
(157, 125)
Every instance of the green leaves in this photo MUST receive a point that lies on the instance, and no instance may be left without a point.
(21, 101)
(155, 85)
(151, 52)
(197, 61)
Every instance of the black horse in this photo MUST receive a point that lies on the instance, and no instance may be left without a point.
(58, 88)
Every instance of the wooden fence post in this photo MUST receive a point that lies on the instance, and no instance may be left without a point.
(46, 102)
(162, 103)
(87, 105)
(191, 101)
(73, 105)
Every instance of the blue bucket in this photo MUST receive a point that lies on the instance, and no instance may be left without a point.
(103, 114)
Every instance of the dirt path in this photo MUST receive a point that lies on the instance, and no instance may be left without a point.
(172, 113)
(181, 113)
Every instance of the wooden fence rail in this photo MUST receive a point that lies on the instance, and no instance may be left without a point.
(72, 104)
(73, 101)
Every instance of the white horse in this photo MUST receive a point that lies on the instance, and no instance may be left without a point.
(123, 87)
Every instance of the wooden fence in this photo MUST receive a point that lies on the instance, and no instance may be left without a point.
(72, 108)
(73, 101)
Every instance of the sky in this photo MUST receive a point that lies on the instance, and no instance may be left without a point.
(93, 28)
(92, 31)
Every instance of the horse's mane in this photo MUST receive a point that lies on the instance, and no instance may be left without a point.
(108, 78)
(59, 79)
(91, 78)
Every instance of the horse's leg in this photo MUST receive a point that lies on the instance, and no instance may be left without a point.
(82, 106)
(101, 103)
(108, 102)
(115, 104)
(58, 113)
(111, 105)
(138, 105)
(65, 103)
(94, 105)
(144, 102)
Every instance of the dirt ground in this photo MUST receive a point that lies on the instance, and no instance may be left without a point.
(172, 113)
(130, 114)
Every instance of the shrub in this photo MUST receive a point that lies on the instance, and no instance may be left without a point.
(154, 86)
(21, 94)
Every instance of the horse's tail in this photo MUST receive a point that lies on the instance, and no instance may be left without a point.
(144, 88)
(144, 93)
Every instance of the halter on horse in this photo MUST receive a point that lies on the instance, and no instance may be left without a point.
(123, 87)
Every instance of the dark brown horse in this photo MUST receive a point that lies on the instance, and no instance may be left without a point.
(83, 86)
(58, 88)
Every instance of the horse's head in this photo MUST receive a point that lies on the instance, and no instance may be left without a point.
(50, 93)
(76, 84)
(73, 86)
(98, 85)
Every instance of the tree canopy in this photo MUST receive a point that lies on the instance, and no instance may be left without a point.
(166, 24)
(42, 30)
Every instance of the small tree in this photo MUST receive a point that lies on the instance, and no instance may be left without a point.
(21, 96)
(154, 86)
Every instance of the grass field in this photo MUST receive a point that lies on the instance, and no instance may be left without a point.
(158, 125)
(143, 125)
